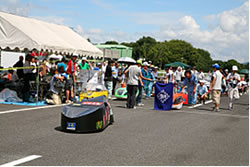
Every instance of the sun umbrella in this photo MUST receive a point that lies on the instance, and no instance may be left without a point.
(177, 64)
(244, 71)
(57, 57)
(126, 60)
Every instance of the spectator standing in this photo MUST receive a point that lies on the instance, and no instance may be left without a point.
(215, 86)
(201, 75)
(195, 72)
(134, 75)
(63, 63)
(178, 75)
(109, 78)
(71, 79)
(115, 69)
(190, 82)
(233, 79)
(183, 74)
(84, 65)
(19, 64)
(168, 76)
(28, 76)
(140, 86)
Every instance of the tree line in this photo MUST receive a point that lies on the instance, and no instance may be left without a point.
(161, 53)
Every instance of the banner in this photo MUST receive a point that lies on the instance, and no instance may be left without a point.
(163, 96)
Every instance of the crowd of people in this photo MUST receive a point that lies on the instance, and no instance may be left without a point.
(61, 78)
(196, 84)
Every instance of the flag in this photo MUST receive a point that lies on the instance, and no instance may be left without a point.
(163, 96)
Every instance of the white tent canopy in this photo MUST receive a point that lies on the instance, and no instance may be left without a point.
(22, 32)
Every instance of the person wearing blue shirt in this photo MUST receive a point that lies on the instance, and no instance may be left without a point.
(147, 84)
(62, 64)
(202, 91)
(150, 84)
(190, 83)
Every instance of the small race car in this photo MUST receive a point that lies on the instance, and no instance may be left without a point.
(93, 90)
(121, 93)
(178, 100)
(89, 115)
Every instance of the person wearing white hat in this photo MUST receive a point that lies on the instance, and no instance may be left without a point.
(146, 83)
(232, 81)
(84, 65)
(202, 92)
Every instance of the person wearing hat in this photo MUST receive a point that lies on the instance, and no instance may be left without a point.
(71, 69)
(233, 79)
(215, 86)
(155, 72)
(134, 77)
(202, 92)
(147, 84)
(84, 65)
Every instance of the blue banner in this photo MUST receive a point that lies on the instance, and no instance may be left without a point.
(163, 96)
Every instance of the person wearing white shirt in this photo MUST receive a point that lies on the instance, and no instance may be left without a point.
(215, 86)
(195, 72)
(201, 75)
(178, 75)
(183, 74)
(168, 76)
(233, 79)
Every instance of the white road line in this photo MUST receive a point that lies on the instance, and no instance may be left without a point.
(213, 114)
(197, 105)
(23, 160)
(209, 101)
(28, 109)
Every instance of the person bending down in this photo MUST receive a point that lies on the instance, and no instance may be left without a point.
(202, 92)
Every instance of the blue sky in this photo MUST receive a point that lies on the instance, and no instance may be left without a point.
(208, 24)
(114, 14)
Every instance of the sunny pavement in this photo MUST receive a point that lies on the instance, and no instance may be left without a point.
(143, 136)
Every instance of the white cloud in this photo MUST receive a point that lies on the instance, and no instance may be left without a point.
(227, 36)
(16, 7)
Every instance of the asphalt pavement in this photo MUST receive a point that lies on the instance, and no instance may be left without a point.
(190, 136)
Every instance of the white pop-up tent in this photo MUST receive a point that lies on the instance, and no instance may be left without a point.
(27, 33)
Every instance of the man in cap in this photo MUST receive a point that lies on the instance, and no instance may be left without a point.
(146, 74)
(155, 72)
(202, 91)
(233, 79)
(71, 80)
(84, 65)
(134, 76)
(215, 86)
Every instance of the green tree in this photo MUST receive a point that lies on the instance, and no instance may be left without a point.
(112, 43)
